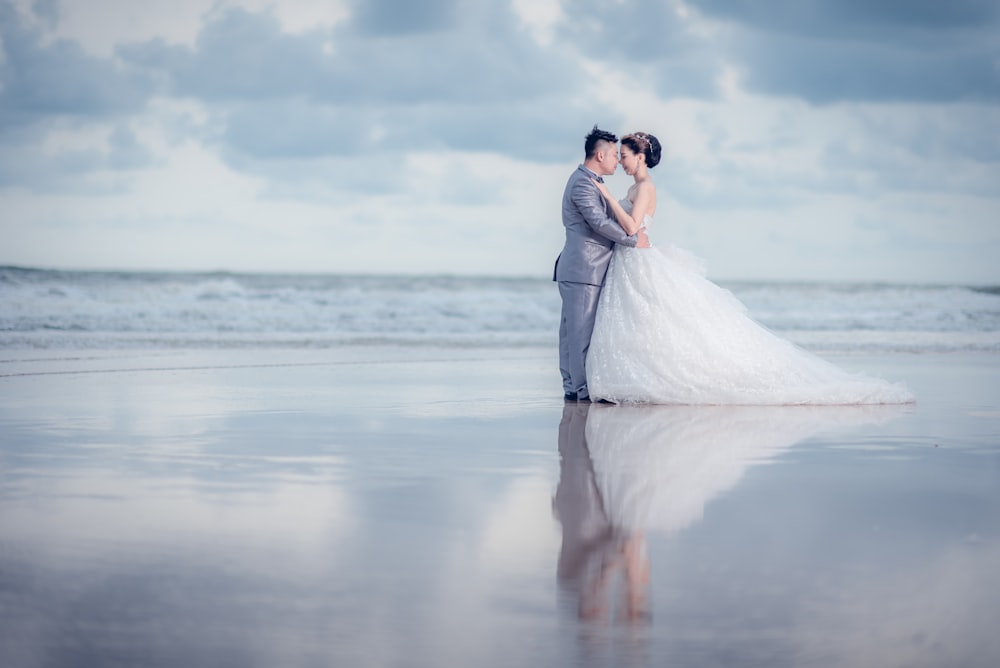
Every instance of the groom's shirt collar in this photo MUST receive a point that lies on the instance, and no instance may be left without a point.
(593, 174)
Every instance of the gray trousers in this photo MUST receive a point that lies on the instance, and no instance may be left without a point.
(579, 308)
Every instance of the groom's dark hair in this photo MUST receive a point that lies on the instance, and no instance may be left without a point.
(597, 135)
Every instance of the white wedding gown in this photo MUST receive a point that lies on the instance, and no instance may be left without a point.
(665, 334)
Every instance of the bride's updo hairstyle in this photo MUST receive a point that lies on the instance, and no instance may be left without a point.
(645, 143)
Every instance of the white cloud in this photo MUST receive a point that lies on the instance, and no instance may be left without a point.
(540, 16)
(101, 25)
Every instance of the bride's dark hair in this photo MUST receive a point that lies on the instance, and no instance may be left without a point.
(645, 143)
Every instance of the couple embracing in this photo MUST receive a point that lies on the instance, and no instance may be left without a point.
(643, 325)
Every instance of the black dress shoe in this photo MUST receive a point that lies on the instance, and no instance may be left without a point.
(570, 396)
(603, 401)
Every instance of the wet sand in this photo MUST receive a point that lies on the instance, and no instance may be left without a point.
(425, 507)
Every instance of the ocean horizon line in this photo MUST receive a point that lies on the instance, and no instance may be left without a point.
(988, 287)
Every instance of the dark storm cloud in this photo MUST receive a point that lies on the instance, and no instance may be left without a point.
(878, 50)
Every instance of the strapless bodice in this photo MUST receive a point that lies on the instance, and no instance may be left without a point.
(626, 203)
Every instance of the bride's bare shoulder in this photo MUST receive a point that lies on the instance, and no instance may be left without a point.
(645, 186)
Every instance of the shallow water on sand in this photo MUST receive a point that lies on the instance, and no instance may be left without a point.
(295, 509)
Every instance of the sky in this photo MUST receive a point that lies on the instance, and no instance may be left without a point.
(807, 140)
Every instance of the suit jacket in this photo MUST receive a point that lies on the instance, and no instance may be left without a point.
(591, 232)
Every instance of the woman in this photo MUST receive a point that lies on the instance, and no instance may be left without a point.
(665, 334)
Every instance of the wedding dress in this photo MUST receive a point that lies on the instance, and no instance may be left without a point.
(664, 334)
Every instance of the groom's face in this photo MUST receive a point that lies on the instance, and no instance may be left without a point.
(608, 158)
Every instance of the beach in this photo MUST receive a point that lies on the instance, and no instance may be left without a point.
(400, 505)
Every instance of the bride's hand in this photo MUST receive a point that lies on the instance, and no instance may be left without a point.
(603, 188)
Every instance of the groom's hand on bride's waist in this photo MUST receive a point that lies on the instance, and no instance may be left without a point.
(642, 241)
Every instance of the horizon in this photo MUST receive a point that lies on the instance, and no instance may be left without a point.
(987, 287)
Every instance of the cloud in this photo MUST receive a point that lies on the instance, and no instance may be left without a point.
(63, 113)
(337, 91)
(632, 29)
(828, 50)
(293, 128)
(390, 17)
(126, 151)
(844, 18)
(238, 56)
(42, 80)
(47, 11)
(61, 156)
(272, 96)
(828, 71)
(656, 39)
(246, 56)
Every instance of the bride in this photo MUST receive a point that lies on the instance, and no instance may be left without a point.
(665, 334)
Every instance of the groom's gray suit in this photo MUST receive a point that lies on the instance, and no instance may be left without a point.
(591, 235)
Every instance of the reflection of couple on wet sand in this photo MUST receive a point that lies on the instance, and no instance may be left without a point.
(593, 550)
(626, 471)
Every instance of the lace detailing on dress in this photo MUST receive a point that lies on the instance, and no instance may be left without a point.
(665, 334)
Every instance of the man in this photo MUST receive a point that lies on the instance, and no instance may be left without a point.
(591, 235)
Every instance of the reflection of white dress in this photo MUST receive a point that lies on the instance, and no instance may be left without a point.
(665, 334)
(656, 467)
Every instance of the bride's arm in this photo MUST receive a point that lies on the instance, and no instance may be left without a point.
(642, 205)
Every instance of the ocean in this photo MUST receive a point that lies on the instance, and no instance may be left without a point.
(49, 309)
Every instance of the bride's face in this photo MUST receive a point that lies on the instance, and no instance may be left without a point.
(629, 160)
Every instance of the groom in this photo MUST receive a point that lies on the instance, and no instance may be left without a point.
(591, 235)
